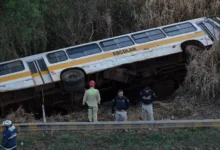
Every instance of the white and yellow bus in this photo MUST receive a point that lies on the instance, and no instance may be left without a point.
(72, 65)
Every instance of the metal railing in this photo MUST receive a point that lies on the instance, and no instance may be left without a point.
(65, 126)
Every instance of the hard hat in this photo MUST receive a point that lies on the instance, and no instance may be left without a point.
(91, 83)
(6, 123)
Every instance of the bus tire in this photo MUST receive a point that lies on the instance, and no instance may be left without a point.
(191, 50)
(73, 80)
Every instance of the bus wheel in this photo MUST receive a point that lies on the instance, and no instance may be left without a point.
(192, 50)
(73, 80)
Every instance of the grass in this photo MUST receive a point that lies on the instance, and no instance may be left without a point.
(204, 138)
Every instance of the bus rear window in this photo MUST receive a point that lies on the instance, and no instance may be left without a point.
(11, 67)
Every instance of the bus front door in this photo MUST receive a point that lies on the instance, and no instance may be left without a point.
(39, 71)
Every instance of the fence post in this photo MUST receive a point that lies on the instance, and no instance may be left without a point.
(43, 109)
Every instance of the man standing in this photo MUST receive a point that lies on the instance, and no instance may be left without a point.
(119, 107)
(9, 136)
(147, 99)
(92, 98)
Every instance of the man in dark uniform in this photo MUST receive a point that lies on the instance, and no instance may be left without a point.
(119, 107)
(9, 136)
(147, 99)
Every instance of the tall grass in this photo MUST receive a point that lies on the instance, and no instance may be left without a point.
(203, 77)
(160, 12)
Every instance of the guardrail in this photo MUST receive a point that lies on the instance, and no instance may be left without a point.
(62, 126)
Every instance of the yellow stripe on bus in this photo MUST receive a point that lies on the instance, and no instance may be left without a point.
(103, 56)
(15, 76)
(38, 74)
(22, 75)
(35, 75)
(44, 72)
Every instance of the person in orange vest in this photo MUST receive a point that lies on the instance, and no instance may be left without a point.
(92, 98)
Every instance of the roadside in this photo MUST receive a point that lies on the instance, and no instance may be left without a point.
(178, 109)
(183, 139)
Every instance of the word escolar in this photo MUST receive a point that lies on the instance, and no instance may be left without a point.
(124, 51)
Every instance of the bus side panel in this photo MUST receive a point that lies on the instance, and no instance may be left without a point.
(89, 67)
(55, 74)
(16, 81)
(159, 51)
(205, 40)
(100, 65)
(21, 83)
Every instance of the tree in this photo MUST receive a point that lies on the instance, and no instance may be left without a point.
(22, 29)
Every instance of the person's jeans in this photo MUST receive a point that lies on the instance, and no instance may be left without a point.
(147, 109)
(121, 116)
(92, 113)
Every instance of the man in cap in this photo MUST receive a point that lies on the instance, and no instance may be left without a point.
(9, 136)
(147, 99)
(92, 98)
(119, 107)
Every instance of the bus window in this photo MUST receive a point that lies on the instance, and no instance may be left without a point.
(83, 51)
(147, 36)
(179, 29)
(32, 67)
(56, 57)
(42, 65)
(11, 67)
(116, 43)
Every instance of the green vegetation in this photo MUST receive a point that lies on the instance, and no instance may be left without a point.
(30, 27)
(205, 138)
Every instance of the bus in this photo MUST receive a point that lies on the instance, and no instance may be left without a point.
(152, 54)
